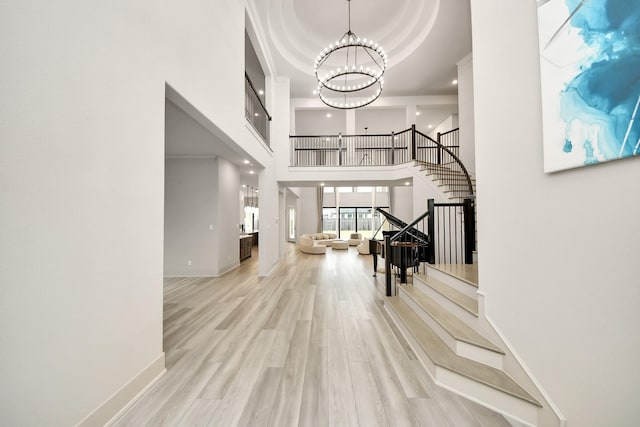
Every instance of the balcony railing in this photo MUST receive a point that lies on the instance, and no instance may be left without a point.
(255, 111)
(440, 158)
(351, 150)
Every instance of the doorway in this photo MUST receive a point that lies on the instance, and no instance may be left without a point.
(291, 224)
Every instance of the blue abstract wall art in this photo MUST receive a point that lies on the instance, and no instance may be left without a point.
(590, 71)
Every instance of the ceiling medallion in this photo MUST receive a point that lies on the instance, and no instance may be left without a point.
(350, 71)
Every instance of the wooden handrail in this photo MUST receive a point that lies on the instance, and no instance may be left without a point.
(246, 76)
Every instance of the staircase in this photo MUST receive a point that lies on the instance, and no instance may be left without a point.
(452, 182)
(455, 186)
(438, 316)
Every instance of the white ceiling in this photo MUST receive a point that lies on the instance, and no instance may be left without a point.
(424, 39)
(185, 137)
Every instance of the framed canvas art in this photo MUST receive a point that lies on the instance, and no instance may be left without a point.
(590, 73)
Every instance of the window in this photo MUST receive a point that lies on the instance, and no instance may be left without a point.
(364, 189)
(347, 222)
(250, 219)
(358, 220)
(329, 220)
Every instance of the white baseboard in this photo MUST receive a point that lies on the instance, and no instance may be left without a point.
(228, 269)
(554, 412)
(221, 273)
(122, 399)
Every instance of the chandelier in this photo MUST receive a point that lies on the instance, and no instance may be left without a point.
(349, 72)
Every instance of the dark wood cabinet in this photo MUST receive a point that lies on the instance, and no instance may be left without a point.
(246, 243)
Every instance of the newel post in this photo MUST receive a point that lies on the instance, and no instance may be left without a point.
(468, 209)
(413, 142)
(431, 250)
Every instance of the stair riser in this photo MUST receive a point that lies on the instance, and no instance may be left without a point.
(461, 348)
(426, 317)
(479, 354)
(487, 396)
(453, 308)
(455, 283)
(517, 409)
(417, 349)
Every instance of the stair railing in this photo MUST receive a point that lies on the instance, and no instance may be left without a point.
(393, 148)
(452, 229)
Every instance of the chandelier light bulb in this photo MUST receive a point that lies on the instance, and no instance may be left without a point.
(352, 71)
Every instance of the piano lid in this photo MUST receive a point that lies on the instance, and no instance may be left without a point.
(397, 222)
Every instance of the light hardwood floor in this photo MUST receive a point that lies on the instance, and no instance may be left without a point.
(307, 346)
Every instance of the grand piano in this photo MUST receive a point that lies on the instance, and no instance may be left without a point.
(406, 252)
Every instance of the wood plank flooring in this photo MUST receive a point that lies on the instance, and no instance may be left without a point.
(307, 346)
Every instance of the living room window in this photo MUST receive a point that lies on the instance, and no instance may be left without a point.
(329, 220)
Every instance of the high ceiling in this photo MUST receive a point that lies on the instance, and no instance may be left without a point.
(424, 39)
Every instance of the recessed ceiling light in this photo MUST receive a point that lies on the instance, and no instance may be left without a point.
(406, 183)
(260, 92)
(322, 184)
(430, 126)
(455, 82)
(256, 114)
(417, 113)
(246, 162)
(251, 172)
(244, 185)
(328, 115)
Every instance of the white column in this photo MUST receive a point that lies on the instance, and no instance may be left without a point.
(268, 203)
(335, 189)
(466, 120)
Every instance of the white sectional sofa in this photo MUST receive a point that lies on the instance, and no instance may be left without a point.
(355, 239)
(316, 243)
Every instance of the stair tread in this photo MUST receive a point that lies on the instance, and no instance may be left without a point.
(441, 355)
(453, 325)
(464, 301)
(467, 273)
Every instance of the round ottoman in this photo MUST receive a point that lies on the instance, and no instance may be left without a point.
(340, 244)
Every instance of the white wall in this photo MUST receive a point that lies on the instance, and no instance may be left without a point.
(402, 202)
(308, 212)
(465, 113)
(354, 200)
(557, 252)
(82, 173)
(316, 122)
(191, 217)
(380, 120)
(450, 123)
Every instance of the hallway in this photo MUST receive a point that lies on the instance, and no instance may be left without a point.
(308, 345)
